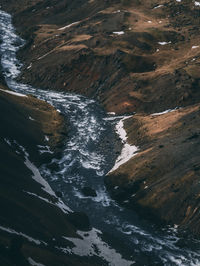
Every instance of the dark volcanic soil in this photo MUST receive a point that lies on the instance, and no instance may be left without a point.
(26, 206)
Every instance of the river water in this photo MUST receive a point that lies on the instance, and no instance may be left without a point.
(87, 156)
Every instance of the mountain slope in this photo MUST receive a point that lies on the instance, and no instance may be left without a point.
(146, 51)
(33, 219)
(162, 180)
(131, 56)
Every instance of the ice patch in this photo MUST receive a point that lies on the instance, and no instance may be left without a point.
(197, 3)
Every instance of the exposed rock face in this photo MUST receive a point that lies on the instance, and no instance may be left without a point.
(144, 51)
(163, 178)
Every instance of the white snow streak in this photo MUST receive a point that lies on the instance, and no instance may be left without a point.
(38, 178)
(14, 93)
(165, 112)
(33, 263)
(68, 26)
(164, 43)
(119, 32)
(128, 151)
(11, 231)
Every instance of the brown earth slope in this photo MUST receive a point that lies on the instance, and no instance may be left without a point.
(163, 178)
(146, 51)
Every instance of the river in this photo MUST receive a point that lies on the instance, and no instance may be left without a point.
(87, 156)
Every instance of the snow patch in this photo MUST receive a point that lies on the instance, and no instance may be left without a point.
(46, 138)
(158, 6)
(33, 263)
(197, 3)
(164, 43)
(68, 26)
(31, 118)
(7, 141)
(43, 56)
(195, 46)
(38, 178)
(58, 204)
(29, 66)
(44, 149)
(119, 32)
(165, 112)
(128, 151)
(14, 93)
(111, 113)
(91, 244)
(11, 231)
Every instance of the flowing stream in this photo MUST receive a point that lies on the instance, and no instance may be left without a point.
(87, 157)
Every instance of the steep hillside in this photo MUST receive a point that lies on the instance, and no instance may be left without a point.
(146, 51)
(33, 219)
(162, 180)
(131, 56)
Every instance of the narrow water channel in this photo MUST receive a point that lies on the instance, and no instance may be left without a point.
(87, 156)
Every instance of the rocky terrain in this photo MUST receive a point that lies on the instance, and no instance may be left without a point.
(131, 56)
(146, 51)
(162, 180)
(32, 133)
